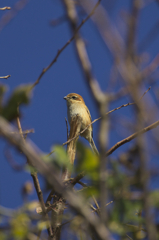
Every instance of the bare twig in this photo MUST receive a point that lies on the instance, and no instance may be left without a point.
(12, 162)
(50, 197)
(129, 237)
(77, 178)
(145, 93)
(61, 49)
(132, 25)
(151, 67)
(24, 132)
(36, 183)
(9, 15)
(149, 38)
(67, 128)
(108, 31)
(131, 137)
(105, 205)
(5, 77)
(5, 8)
(20, 128)
(81, 51)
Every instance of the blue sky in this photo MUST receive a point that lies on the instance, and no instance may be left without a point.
(28, 43)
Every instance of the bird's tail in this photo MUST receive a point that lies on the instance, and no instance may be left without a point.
(93, 146)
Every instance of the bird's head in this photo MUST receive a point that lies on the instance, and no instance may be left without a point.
(73, 98)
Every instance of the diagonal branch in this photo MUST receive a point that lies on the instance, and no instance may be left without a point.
(9, 15)
(81, 51)
(36, 182)
(131, 137)
(24, 132)
(63, 48)
(5, 8)
(5, 77)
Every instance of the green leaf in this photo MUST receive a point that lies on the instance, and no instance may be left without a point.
(154, 197)
(21, 95)
(61, 158)
(20, 226)
(89, 192)
(30, 169)
(3, 89)
(3, 236)
(87, 161)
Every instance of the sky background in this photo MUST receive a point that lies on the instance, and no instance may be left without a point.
(28, 43)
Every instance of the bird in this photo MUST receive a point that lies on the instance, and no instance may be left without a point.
(76, 106)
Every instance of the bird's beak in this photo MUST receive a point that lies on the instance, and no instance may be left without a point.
(65, 98)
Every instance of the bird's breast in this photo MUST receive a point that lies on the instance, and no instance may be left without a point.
(77, 109)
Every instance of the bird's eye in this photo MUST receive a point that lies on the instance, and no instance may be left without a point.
(73, 97)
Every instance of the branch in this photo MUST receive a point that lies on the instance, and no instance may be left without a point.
(149, 38)
(151, 67)
(5, 77)
(5, 8)
(36, 182)
(9, 15)
(12, 162)
(131, 32)
(67, 128)
(62, 49)
(81, 51)
(25, 132)
(108, 31)
(77, 178)
(131, 137)
(95, 210)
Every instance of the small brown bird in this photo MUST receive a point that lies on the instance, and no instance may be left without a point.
(76, 106)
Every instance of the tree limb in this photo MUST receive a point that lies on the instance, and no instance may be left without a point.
(131, 137)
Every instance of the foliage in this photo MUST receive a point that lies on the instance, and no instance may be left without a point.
(21, 95)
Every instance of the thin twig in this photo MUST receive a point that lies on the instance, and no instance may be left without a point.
(145, 93)
(12, 162)
(135, 227)
(36, 184)
(5, 77)
(129, 237)
(24, 132)
(5, 8)
(9, 15)
(131, 32)
(149, 38)
(151, 67)
(78, 178)
(67, 128)
(20, 128)
(105, 205)
(131, 137)
(65, 45)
